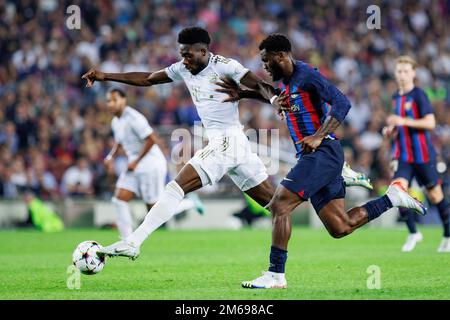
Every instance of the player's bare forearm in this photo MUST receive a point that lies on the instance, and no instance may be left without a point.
(131, 78)
(312, 142)
(252, 94)
(428, 122)
(421, 124)
(264, 89)
(328, 127)
(235, 92)
(149, 142)
(159, 142)
(115, 149)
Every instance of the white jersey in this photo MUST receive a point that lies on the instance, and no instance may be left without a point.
(130, 130)
(214, 113)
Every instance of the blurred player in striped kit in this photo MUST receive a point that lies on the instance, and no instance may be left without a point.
(415, 157)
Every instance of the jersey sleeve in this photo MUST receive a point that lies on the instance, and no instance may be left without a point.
(340, 105)
(423, 103)
(141, 127)
(173, 71)
(230, 68)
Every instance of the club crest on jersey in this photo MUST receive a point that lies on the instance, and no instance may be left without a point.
(295, 108)
(408, 106)
(294, 95)
(213, 78)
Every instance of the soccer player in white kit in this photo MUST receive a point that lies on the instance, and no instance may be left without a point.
(147, 167)
(228, 151)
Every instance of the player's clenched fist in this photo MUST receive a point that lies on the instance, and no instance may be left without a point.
(93, 75)
(389, 131)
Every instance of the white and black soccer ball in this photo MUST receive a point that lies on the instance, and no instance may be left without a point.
(85, 258)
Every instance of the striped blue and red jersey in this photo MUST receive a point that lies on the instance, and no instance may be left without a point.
(412, 145)
(310, 98)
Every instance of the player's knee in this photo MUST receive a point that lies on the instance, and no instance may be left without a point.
(277, 208)
(433, 199)
(435, 195)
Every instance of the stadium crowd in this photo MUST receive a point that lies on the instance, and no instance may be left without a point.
(54, 133)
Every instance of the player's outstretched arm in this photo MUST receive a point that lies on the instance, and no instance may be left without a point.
(264, 90)
(235, 92)
(131, 78)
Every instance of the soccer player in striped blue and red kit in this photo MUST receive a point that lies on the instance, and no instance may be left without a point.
(317, 173)
(410, 125)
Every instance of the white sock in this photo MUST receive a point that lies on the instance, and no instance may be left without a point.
(124, 218)
(161, 212)
(185, 204)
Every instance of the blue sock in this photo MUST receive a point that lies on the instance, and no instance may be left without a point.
(378, 206)
(410, 219)
(278, 259)
(444, 213)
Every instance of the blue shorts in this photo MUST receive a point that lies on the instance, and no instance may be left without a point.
(318, 175)
(425, 173)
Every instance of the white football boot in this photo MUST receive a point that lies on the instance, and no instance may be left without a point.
(411, 241)
(268, 280)
(445, 245)
(120, 249)
(400, 198)
(353, 178)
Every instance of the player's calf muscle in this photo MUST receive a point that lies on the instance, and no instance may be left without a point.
(123, 194)
(340, 223)
(188, 179)
(282, 228)
(262, 193)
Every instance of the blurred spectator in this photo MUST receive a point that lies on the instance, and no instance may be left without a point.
(9, 137)
(371, 138)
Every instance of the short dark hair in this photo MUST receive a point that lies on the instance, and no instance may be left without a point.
(194, 35)
(120, 92)
(276, 42)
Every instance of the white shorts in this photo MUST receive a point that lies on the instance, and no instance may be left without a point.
(147, 184)
(229, 154)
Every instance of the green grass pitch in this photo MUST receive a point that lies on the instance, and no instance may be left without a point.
(211, 265)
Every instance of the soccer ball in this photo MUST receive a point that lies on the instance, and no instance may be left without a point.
(85, 258)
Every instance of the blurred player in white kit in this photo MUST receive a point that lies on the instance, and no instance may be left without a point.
(146, 172)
